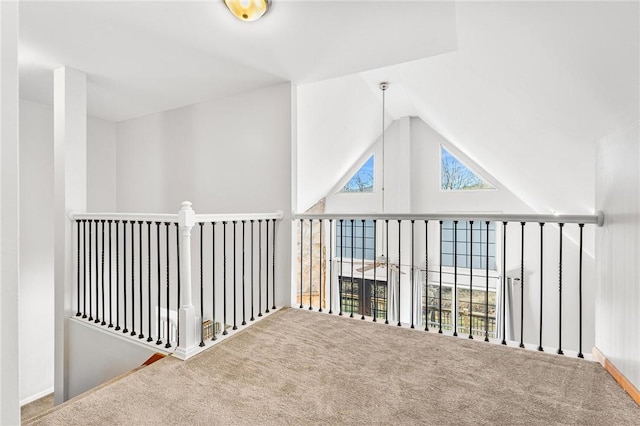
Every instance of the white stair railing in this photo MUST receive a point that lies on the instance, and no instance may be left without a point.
(134, 269)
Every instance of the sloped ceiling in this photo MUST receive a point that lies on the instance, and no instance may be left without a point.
(523, 88)
(338, 120)
(529, 91)
(143, 57)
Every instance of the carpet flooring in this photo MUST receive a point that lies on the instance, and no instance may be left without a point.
(36, 408)
(296, 367)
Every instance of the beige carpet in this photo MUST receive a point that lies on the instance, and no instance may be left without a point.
(297, 367)
(36, 408)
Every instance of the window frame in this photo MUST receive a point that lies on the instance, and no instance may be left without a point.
(481, 176)
(357, 240)
(363, 288)
(455, 309)
(477, 271)
(354, 171)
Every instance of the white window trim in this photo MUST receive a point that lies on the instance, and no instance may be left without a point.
(479, 275)
(454, 297)
(337, 189)
(493, 273)
(457, 154)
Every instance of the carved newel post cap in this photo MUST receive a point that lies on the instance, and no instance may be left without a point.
(186, 215)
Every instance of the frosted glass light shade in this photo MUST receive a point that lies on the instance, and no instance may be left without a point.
(248, 10)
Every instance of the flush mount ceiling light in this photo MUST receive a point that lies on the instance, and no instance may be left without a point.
(248, 10)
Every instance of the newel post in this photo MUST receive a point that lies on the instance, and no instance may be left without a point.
(187, 346)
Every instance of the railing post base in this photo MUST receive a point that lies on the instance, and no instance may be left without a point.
(188, 346)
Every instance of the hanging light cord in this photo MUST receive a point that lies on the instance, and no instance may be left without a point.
(383, 87)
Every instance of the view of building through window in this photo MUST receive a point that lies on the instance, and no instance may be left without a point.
(472, 312)
(362, 181)
(455, 176)
(373, 295)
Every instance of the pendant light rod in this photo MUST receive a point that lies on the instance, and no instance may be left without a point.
(383, 87)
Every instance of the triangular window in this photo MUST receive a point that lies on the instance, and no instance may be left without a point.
(455, 176)
(362, 180)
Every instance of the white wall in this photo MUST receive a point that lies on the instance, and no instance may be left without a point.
(9, 214)
(101, 165)
(36, 250)
(225, 156)
(412, 175)
(398, 182)
(426, 195)
(97, 356)
(371, 202)
(337, 120)
(618, 250)
(36, 233)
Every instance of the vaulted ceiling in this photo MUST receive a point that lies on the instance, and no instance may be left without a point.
(529, 90)
(525, 89)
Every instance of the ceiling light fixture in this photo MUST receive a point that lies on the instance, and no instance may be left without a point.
(248, 10)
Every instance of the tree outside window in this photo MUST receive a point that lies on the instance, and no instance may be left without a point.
(455, 176)
(362, 181)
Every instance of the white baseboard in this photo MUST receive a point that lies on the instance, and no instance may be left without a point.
(36, 396)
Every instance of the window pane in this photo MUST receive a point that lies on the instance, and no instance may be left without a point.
(362, 180)
(475, 312)
(447, 247)
(477, 249)
(369, 231)
(463, 245)
(354, 240)
(431, 307)
(457, 176)
(367, 299)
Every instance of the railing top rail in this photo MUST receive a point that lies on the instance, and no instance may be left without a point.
(597, 219)
(237, 217)
(144, 217)
(173, 218)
